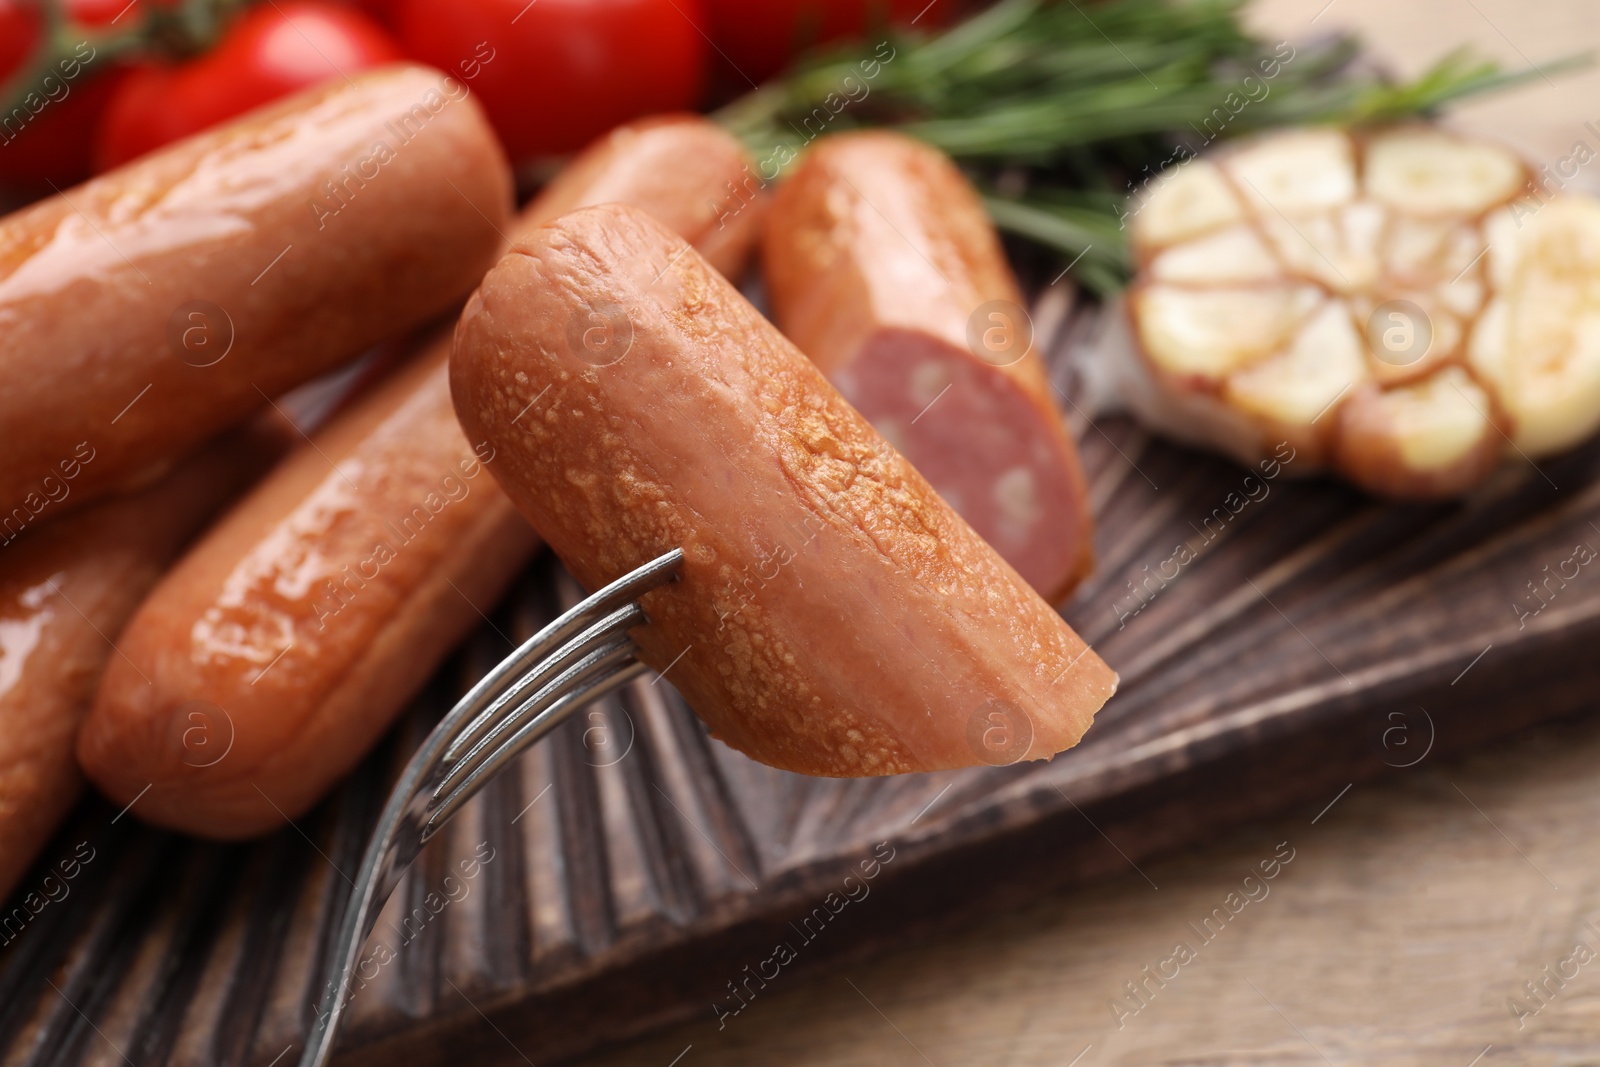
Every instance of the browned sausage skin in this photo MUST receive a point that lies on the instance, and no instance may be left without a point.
(834, 615)
(685, 171)
(65, 592)
(883, 268)
(347, 573)
(150, 307)
(302, 613)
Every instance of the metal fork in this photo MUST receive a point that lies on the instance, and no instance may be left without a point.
(577, 659)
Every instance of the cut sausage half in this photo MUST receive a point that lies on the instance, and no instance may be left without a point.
(884, 268)
(834, 615)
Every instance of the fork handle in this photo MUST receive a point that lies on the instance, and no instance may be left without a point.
(407, 820)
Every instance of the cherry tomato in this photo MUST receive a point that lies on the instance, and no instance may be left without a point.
(20, 27)
(758, 40)
(271, 51)
(555, 74)
(381, 10)
(99, 14)
(53, 143)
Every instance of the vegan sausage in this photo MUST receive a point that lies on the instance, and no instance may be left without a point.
(313, 614)
(883, 268)
(308, 615)
(834, 616)
(686, 171)
(65, 592)
(153, 306)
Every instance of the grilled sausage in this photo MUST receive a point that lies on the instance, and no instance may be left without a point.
(304, 614)
(883, 268)
(313, 613)
(151, 307)
(687, 172)
(834, 615)
(65, 592)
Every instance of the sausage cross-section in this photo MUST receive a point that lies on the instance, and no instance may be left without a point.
(834, 615)
(884, 269)
(154, 306)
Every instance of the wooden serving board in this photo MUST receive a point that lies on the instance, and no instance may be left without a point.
(630, 871)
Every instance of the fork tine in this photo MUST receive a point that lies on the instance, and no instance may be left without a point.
(535, 691)
(592, 656)
(487, 722)
(602, 671)
(636, 582)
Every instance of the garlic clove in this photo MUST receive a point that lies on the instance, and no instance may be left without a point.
(1422, 171)
(1186, 201)
(1409, 337)
(1338, 249)
(1541, 345)
(1202, 335)
(1235, 254)
(1432, 438)
(1295, 390)
(1300, 172)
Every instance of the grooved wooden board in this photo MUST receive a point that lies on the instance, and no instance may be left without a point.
(630, 869)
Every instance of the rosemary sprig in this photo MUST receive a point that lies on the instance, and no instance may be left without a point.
(1076, 104)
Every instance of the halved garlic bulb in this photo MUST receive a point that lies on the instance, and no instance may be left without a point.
(1402, 306)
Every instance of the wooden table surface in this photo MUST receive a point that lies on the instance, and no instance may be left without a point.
(1448, 915)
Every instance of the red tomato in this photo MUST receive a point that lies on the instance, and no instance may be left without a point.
(53, 143)
(271, 51)
(759, 39)
(555, 74)
(20, 25)
(382, 10)
(100, 14)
